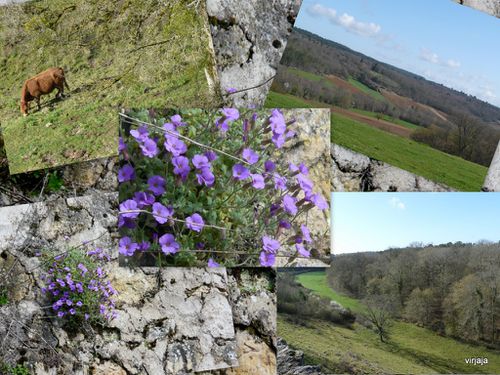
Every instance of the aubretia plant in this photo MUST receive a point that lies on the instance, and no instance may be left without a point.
(205, 187)
(77, 287)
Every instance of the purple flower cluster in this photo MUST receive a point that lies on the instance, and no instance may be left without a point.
(78, 287)
(178, 177)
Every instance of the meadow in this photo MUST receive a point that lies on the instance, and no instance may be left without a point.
(400, 152)
(410, 350)
(135, 54)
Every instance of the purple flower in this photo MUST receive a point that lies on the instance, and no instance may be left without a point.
(303, 169)
(87, 316)
(175, 146)
(267, 259)
(274, 209)
(205, 177)
(289, 204)
(285, 224)
(143, 199)
(277, 121)
(126, 173)
(269, 166)
(293, 167)
(169, 129)
(177, 121)
(305, 183)
(60, 314)
(258, 181)
(126, 222)
(250, 156)
(181, 166)
(126, 247)
(162, 213)
(79, 303)
(156, 185)
(82, 268)
(211, 155)
(144, 245)
(279, 182)
(168, 244)
(149, 148)
(69, 302)
(99, 272)
(305, 233)
(319, 201)
(72, 311)
(121, 145)
(231, 90)
(212, 263)
(278, 140)
(200, 162)
(240, 172)
(140, 134)
(129, 205)
(231, 114)
(270, 245)
(195, 222)
(302, 250)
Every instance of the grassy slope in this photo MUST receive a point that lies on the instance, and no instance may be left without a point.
(400, 152)
(374, 94)
(408, 155)
(411, 349)
(96, 42)
(404, 123)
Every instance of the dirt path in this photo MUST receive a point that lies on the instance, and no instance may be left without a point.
(380, 124)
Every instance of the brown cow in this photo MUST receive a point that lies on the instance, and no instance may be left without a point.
(42, 84)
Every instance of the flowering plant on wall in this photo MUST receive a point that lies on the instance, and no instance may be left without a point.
(205, 187)
(77, 287)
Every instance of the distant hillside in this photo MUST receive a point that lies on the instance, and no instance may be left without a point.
(322, 71)
(313, 53)
(124, 53)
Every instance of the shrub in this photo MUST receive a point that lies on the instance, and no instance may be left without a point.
(208, 187)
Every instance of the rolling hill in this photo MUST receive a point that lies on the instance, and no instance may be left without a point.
(411, 349)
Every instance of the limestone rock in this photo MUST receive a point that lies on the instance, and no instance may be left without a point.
(489, 6)
(249, 38)
(492, 181)
(352, 171)
(291, 362)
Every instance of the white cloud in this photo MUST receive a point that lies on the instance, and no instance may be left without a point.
(348, 22)
(397, 203)
(453, 64)
(428, 55)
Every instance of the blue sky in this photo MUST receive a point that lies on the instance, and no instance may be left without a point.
(439, 39)
(377, 221)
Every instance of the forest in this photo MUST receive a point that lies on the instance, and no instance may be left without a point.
(452, 289)
(321, 70)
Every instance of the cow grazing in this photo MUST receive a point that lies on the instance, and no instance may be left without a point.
(42, 84)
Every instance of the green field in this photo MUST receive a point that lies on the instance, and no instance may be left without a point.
(397, 121)
(409, 155)
(403, 153)
(374, 94)
(115, 55)
(410, 350)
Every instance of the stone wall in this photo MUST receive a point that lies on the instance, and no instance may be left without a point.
(170, 321)
(356, 172)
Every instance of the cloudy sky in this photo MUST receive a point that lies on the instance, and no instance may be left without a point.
(438, 39)
(377, 221)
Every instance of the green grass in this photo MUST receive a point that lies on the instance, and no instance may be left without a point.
(277, 100)
(411, 349)
(409, 155)
(317, 282)
(406, 124)
(116, 55)
(374, 94)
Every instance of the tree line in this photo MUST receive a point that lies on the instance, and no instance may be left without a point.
(453, 289)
